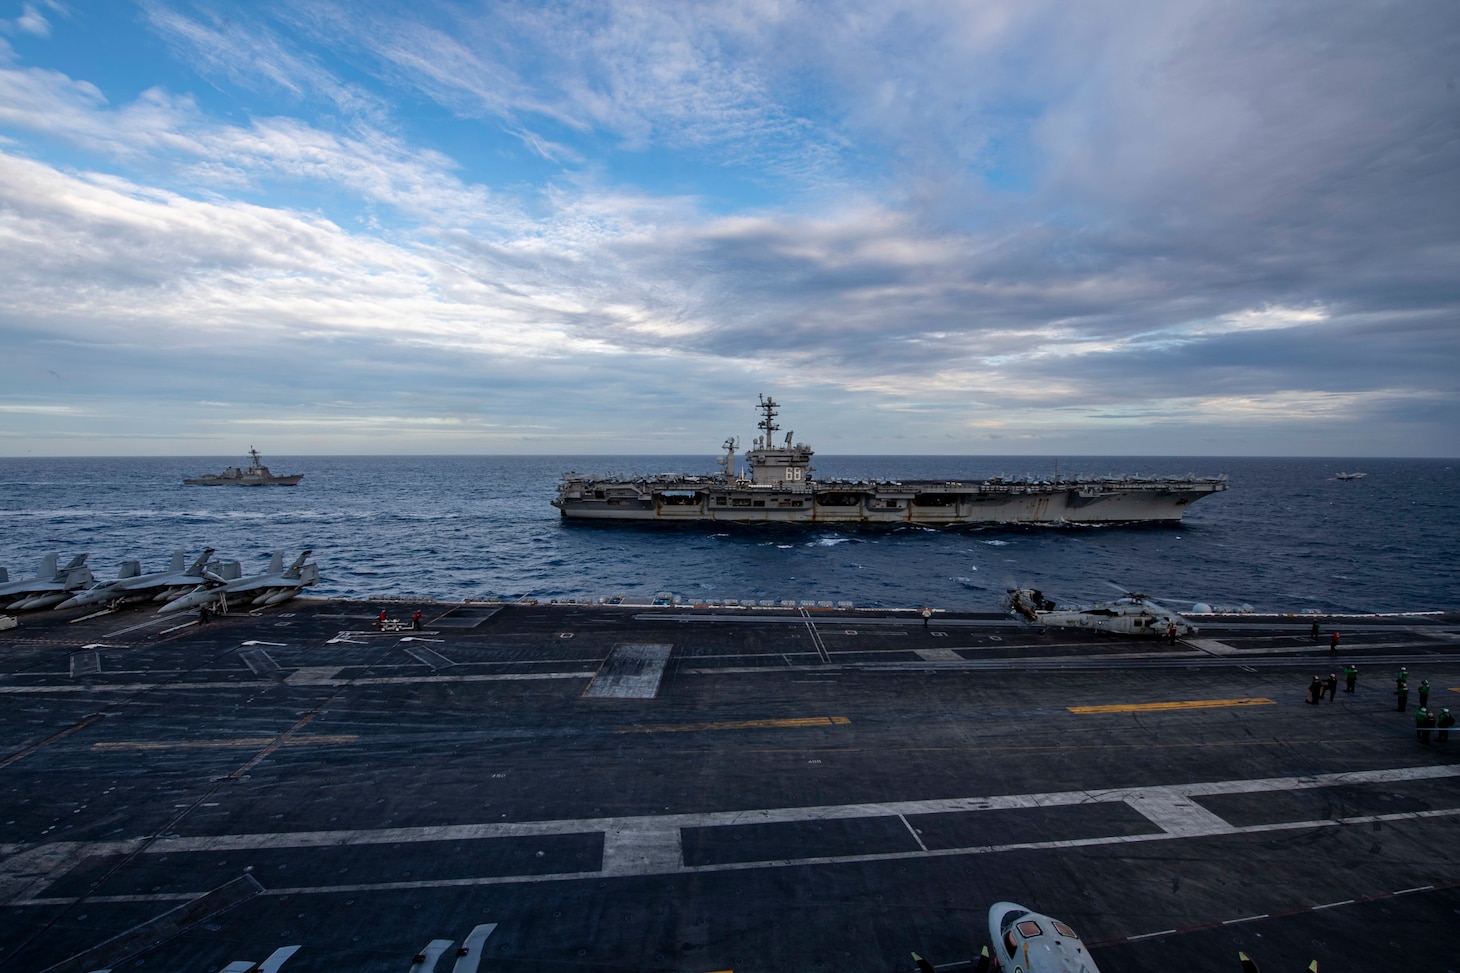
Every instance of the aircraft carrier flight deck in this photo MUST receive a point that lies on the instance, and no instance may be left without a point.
(698, 789)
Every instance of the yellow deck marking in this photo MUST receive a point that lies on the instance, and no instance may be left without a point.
(225, 744)
(741, 725)
(1186, 704)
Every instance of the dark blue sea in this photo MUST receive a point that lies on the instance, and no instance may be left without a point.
(1286, 537)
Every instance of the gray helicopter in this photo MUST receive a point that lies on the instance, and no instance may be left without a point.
(1131, 614)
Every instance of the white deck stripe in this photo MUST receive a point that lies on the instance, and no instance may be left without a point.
(776, 863)
(651, 844)
(300, 677)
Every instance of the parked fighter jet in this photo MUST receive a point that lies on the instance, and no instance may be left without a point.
(1030, 942)
(131, 585)
(1035, 943)
(1134, 614)
(50, 586)
(270, 587)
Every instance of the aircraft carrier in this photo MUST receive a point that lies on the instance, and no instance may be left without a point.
(708, 788)
(778, 487)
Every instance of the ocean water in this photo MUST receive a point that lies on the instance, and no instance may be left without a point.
(1287, 536)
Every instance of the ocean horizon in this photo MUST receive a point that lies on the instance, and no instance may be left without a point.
(1287, 537)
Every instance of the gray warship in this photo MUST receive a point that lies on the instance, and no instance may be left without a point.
(777, 486)
(256, 474)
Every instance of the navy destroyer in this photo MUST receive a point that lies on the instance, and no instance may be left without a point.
(777, 486)
(257, 474)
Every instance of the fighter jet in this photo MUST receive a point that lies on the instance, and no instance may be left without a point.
(131, 585)
(1030, 942)
(1035, 943)
(1135, 614)
(270, 587)
(50, 586)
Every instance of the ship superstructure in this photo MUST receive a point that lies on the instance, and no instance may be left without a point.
(777, 486)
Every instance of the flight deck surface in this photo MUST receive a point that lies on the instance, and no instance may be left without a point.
(706, 789)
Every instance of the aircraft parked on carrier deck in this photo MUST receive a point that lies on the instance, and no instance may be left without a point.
(277, 584)
(131, 585)
(1035, 943)
(51, 585)
(1025, 941)
(1134, 614)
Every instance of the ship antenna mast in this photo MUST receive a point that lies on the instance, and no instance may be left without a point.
(769, 407)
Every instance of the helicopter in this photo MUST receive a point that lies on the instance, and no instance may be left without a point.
(1131, 614)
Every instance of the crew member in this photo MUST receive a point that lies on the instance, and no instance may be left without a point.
(1350, 676)
(1444, 723)
(1402, 677)
(1333, 641)
(1171, 632)
(1315, 690)
(1424, 692)
(1313, 635)
(1330, 685)
(381, 621)
(1403, 693)
(1424, 722)
(416, 620)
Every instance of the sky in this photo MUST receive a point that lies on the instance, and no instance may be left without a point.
(1096, 227)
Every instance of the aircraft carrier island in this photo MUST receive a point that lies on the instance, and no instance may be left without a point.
(518, 787)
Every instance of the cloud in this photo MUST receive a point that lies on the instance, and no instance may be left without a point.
(32, 21)
(1014, 216)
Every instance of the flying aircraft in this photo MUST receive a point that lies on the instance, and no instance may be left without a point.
(131, 585)
(277, 584)
(1133, 614)
(51, 585)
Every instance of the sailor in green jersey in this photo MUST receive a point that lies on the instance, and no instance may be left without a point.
(1350, 676)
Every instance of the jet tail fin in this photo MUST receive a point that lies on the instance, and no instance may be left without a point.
(202, 561)
(77, 576)
(129, 569)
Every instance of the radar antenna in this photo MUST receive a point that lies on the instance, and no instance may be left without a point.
(727, 462)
